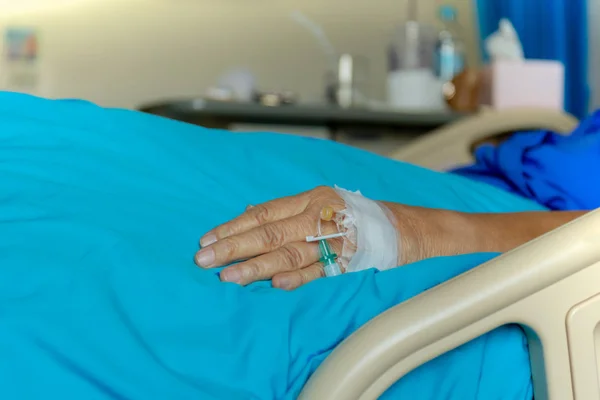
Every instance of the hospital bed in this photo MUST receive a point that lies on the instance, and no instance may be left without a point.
(451, 145)
(547, 286)
(550, 286)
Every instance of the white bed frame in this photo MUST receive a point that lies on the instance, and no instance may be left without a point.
(450, 146)
(550, 286)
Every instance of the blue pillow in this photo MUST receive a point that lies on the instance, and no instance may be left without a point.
(100, 214)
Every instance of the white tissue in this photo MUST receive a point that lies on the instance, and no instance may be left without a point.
(504, 44)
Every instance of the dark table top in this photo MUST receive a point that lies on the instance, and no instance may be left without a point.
(199, 110)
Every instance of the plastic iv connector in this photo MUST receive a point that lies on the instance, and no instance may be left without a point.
(328, 257)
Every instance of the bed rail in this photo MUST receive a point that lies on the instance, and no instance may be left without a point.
(450, 146)
(550, 286)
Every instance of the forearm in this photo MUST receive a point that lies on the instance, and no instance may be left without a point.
(503, 232)
(431, 233)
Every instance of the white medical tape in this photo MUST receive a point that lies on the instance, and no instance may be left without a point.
(371, 239)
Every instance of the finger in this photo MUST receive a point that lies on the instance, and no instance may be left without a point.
(255, 216)
(291, 257)
(295, 279)
(261, 240)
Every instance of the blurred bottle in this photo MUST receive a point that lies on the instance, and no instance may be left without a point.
(411, 75)
(412, 43)
(449, 57)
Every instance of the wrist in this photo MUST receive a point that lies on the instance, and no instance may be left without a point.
(425, 233)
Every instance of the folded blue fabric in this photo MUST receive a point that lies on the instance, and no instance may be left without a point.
(558, 171)
(100, 213)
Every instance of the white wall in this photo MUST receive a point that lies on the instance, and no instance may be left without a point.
(127, 52)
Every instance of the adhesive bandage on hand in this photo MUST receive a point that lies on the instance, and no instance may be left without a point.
(370, 235)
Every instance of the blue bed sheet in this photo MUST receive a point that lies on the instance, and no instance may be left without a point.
(100, 213)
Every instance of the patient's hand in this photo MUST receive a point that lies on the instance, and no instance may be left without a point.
(271, 239)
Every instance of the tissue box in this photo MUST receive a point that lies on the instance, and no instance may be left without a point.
(528, 83)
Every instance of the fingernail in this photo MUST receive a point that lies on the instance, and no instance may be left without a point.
(208, 239)
(205, 258)
(231, 275)
(249, 206)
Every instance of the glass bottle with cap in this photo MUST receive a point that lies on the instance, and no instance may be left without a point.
(450, 48)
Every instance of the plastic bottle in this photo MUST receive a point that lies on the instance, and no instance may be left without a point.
(410, 63)
(411, 43)
(449, 48)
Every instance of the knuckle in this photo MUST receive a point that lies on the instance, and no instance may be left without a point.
(293, 256)
(305, 276)
(273, 236)
(309, 219)
(323, 190)
(230, 248)
(262, 214)
(324, 195)
(253, 271)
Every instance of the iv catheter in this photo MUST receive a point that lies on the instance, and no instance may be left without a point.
(328, 257)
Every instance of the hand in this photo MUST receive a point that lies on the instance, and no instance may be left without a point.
(271, 238)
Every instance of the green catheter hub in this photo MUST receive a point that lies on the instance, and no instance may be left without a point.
(328, 259)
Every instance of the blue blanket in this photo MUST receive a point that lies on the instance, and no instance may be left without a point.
(560, 172)
(100, 213)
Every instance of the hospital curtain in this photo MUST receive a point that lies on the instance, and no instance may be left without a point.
(594, 46)
(550, 30)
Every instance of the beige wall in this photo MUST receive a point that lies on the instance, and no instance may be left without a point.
(127, 52)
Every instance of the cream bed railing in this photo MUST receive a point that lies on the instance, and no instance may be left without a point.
(550, 286)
